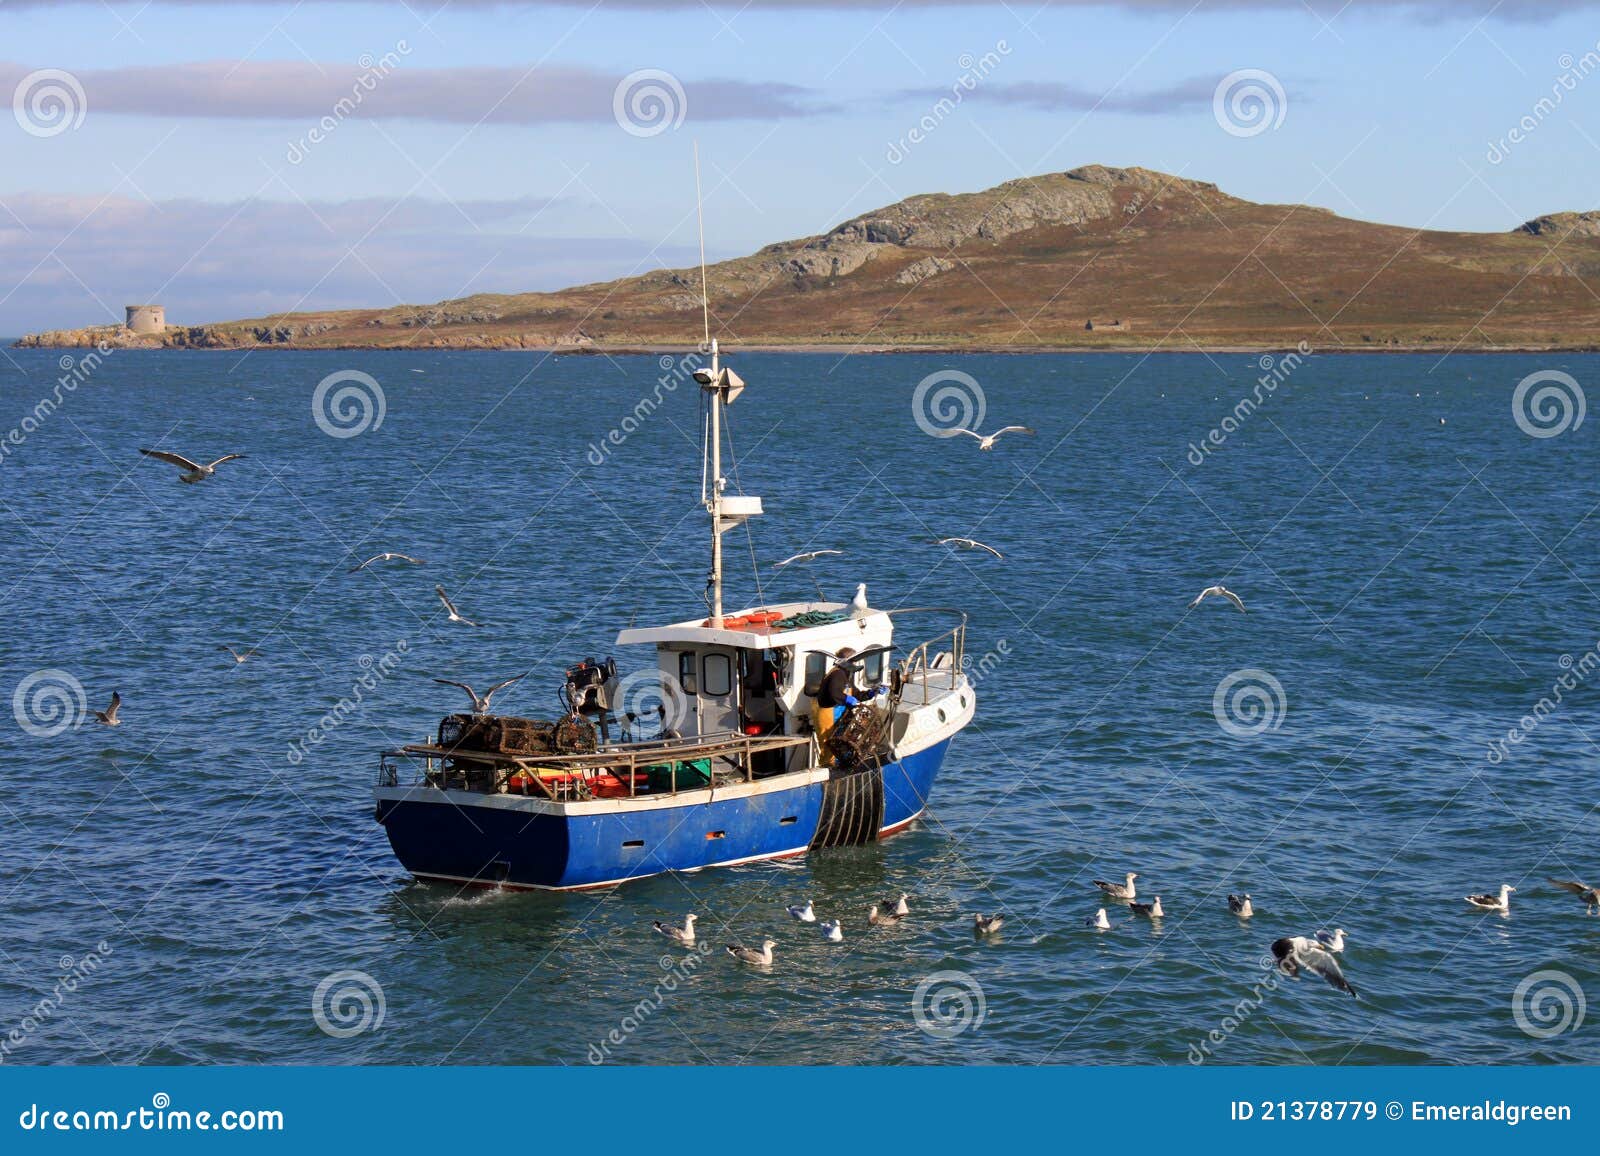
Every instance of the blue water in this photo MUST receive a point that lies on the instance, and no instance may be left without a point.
(1412, 583)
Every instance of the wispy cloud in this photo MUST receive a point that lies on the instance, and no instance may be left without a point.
(1053, 96)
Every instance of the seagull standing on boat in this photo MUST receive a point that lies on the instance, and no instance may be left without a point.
(480, 702)
(1218, 591)
(803, 913)
(1297, 953)
(1123, 891)
(986, 441)
(683, 935)
(388, 556)
(239, 656)
(1153, 910)
(832, 931)
(750, 955)
(987, 924)
(1333, 942)
(192, 471)
(1240, 905)
(858, 604)
(808, 556)
(108, 717)
(1098, 921)
(450, 608)
(1492, 902)
(1589, 895)
(968, 544)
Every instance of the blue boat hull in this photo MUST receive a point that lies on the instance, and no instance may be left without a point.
(499, 840)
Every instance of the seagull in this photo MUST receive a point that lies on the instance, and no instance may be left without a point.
(808, 556)
(1589, 895)
(1334, 942)
(1153, 910)
(683, 935)
(1298, 953)
(480, 702)
(1492, 902)
(109, 715)
(878, 918)
(968, 544)
(1240, 905)
(1218, 591)
(804, 913)
(986, 441)
(987, 924)
(450, 607)
(389, 556)
(1119, 890)
(762, 958)
(832, 931)
(192, 471)
(239, 656)
(858, 604)
(1098, 921)
(899, 906)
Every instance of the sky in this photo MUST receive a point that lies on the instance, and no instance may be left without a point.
(240, 159)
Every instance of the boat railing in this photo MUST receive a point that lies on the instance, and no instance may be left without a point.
(922, 662)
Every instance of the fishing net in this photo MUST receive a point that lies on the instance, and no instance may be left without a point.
(809, 618)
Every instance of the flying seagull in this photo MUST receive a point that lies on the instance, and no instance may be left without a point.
(1153, 910)
(1119, 890)
(1492, 902)
(986, 441)
(803, 912)
(832, 931)
(1098, 921)
(1240, 905)
(808, 556)
(192, 471)
(239, 655)
(969, 544)
(389, 556)
(1218, 591)
(1589, 895)
(109, 715)
(878, 918)
(987, 924)
(1297, 953)
(450, 608)
(480, 702)
(683, 935)
(1332, 942)
(762, 958)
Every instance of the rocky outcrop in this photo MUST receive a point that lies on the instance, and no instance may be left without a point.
(1555, 226)
(920, 270)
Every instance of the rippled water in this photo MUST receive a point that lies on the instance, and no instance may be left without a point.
(1414, 564)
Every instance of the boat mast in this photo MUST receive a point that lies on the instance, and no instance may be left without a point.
(714, 428)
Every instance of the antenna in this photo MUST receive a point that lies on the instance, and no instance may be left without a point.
(700, 220)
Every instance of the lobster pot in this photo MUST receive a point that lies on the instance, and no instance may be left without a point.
(860, 737)
(574, 735)
(498, 734)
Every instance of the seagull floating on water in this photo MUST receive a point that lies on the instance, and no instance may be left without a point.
(192, 471)
(389, 556)
(808, 556)
(986, 441)
(803, 913)
(878, 918)
(762, 958)
(1119, 890)
(480, 702)
(1298, 953)
(1098, 921)
(1240, 905)
(832, 931)
(1153, 910)
(238, 655)
(683, 935)
(1491, 902)
(1333, 942)
(1218, 591)
(900, 906)
(969, 544)
(987, 924)
(1589, 895)
(450, 608)
(109, 715)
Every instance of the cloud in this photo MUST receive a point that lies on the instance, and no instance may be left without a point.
(391, 89)
(1052, 96)
(70, 260)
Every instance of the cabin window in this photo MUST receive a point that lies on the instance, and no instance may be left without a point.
(816, 669)
(718, 672)
(686, 675)
(873, 667)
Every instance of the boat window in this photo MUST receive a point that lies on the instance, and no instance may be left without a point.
(873, 667)
(686, 675)
(718, 672)
(816, 668)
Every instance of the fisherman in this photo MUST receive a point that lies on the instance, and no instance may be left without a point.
(837, 694)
